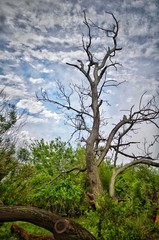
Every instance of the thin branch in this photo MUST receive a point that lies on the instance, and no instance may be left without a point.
(142, 160)
(44, 97)
(68, 171)
(110, 139)
(144, 114)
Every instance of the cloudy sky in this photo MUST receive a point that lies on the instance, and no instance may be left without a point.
(38, 37)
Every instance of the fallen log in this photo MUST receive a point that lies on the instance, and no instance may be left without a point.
(27, 236)
(62, 228)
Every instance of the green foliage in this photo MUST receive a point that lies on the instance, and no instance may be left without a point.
(7, 161)
(105, 174)
(55, 156)
(61, 196)
(41, 179)
(5, 232)
(8, 118)
(16, 188)
(120, 221)
(139, 184)
(132, 217)
(24, 155)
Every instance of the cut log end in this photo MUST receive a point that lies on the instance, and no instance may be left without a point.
(61, 225)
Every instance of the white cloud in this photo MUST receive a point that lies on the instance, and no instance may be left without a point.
(25, 134)
(31, 105)
(13, 92)
(35, 107)
(60, 56)
(25, 137)
(45, 70)
(58, 23)
(11, 77)
(49, 114)
(129, 100)
(36, 80)
(5, 55)
(32, 119)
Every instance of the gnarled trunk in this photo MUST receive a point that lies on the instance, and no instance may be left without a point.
(95, 181)
(93, 171)
(62, 228)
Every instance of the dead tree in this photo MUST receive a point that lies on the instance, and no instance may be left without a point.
(88, 118)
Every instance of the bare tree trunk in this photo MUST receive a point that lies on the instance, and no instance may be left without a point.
(92, 168)
(94, 179)
(92, 143)
(62, 228)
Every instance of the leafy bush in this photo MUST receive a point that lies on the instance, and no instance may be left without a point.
(41, 181)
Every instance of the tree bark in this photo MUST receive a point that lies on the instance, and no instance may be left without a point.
(91, 143)
(93, 173)
(62, 228)
(112, 184)
(117, 172)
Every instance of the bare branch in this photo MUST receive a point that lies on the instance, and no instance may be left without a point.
(87, 46)
(68, 171)
(110, 139)
(112, 33)
(147, 113)
(44, 97)
(117, 172)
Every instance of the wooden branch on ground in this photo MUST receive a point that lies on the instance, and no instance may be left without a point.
(62, 228)
(27, 236)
